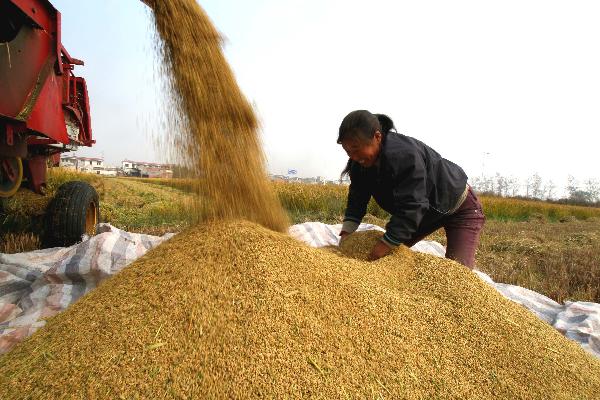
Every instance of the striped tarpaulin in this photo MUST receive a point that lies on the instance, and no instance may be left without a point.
(39, 284)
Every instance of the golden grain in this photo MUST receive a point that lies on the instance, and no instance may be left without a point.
(233, 310)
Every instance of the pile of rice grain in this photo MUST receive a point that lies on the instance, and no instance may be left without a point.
(233, 310)
(220, 141)
(359, 244)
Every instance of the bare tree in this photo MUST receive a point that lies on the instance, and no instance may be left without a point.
(592, 186)
(577, 194)
(549, 189)
(489, 184)
(501, 185)
(476, 184)
(513, 185)
(572, 185)
(483, 184)
(536, 186)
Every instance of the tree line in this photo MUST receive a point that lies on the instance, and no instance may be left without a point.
(577, 192)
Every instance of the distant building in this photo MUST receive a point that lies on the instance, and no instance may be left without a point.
(278, 178)
(146, 169)
(86, 164)
(308, 180)
(345, 180)
(109, 171)
(319, 180)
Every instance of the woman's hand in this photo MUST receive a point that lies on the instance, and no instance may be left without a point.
(379, 250)
(343, 235)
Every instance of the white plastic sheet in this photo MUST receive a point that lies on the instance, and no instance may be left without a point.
(39, 284)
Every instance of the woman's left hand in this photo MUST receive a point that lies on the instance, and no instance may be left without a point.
(379, 250)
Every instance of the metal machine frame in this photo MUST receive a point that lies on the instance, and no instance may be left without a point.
(44, 107)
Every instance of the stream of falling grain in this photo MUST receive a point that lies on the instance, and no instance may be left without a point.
(218, 139)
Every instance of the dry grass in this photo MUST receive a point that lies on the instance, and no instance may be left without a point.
(58, 176)
(508, 209)
(184, 184)
(559, 260)
(125, 203)
(326, 203)
(19, 242)
(143, 207)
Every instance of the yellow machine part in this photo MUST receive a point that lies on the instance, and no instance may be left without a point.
(11, 175)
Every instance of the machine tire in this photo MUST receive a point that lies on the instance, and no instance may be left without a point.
(7, 187)
(73, 212)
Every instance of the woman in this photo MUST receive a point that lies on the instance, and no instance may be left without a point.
(421, 190)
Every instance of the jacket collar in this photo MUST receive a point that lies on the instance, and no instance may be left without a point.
(381, 159)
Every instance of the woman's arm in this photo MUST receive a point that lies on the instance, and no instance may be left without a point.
(359, 195)
(410, 199)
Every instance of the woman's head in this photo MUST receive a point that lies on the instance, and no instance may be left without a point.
(361, 134)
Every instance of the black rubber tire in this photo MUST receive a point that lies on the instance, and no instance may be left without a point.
(67, 214)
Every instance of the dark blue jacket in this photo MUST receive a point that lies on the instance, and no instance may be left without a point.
(411, 181)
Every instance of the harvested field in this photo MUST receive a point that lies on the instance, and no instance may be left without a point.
(127, 204)
(559, 260)
(135, 206)
(233, 310)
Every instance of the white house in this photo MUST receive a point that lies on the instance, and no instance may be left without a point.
(83, 164)
(90, 165)
(147, 169)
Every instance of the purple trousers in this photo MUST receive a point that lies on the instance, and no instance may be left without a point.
(462, 231)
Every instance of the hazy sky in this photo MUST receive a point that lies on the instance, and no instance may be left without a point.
(495, 86)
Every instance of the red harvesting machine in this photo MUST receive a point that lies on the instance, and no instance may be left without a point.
(44, 107)
(44, 110)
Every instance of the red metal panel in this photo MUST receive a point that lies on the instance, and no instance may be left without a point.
(47, 115)
(32, 86)
(40, 11)
(43, 13)
(66, 87)
(58, 44)
(18, 147)
(86, 120)
(35, 170)
(24, 65)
